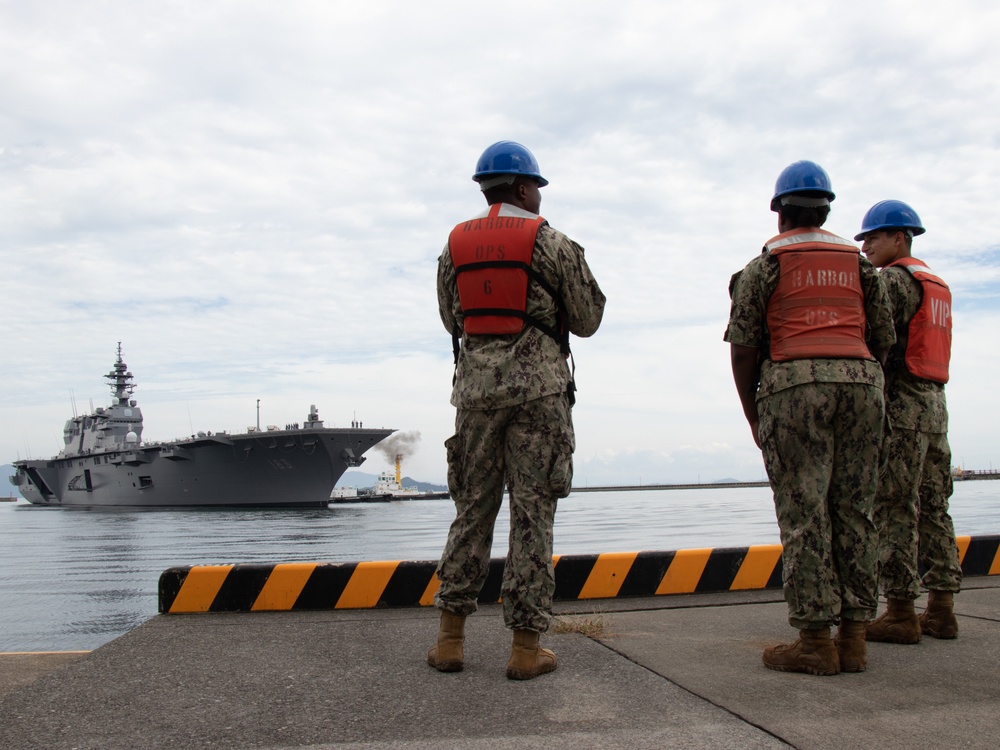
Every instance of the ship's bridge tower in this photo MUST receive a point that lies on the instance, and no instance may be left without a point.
(108, 427)
(122, 421)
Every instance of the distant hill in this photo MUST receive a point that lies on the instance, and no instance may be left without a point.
(362, 480)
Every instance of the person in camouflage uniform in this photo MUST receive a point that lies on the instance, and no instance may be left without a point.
(513, 394)
(911, 509)
(816, 412)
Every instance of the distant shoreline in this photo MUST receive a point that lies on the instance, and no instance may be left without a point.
(693, 486)
(964, 476)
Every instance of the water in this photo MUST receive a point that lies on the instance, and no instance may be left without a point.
(75, 579)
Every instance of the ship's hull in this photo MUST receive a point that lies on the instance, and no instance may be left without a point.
(281, 468)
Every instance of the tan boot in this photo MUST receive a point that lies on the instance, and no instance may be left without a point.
(898, 624)
(851, 647)
(447, 655)
(527, 658)
(812, 653)
(938, 620)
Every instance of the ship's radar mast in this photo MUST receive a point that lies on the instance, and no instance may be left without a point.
(120, 380)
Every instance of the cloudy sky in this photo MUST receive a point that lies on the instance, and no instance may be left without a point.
(252, 196)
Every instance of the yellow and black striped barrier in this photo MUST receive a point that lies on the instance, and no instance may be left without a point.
(362, 585)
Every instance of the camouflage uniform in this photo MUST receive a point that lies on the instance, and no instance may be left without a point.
(820, 430)
(513, 425)
(911, 510)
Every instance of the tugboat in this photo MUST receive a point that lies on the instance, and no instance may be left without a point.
(389, 486)
(106, 463)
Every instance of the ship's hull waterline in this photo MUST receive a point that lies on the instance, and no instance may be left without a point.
(286, 468)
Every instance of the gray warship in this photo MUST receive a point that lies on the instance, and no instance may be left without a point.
(106, 463)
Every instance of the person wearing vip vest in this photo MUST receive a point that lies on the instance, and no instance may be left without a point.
(807, 316)
(911, 509)
(511, 289)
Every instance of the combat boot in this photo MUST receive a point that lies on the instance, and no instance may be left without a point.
(447, 654)
(812, 653)
(938, 620)
(527, 658)
(851, 647)
(898, 624)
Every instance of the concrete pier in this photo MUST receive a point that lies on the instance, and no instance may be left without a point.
(679, 671)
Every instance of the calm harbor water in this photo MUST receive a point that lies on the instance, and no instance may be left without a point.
(75, 579)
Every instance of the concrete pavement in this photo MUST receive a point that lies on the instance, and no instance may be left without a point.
(652, 672)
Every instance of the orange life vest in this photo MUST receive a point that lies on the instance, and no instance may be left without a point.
(492, 258)
(928, 344)
(817, 309)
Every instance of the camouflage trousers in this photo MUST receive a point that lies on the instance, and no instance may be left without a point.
(911, 513)
(821, 449)
(530, 447)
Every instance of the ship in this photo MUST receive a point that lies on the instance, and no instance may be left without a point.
(105, 462)
(388, 486)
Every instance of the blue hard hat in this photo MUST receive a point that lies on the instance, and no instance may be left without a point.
(890, 215)
(507, 157)
(802, 177)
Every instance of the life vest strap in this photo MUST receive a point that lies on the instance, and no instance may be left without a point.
(530, 319)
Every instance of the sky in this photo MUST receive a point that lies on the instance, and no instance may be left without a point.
(252, 196)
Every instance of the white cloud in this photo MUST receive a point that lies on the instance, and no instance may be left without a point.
(252, 198)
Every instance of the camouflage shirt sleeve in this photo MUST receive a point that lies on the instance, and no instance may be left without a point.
(447, 292)
(561, 262)
(904, 295)
(878, 308)
(750, 290)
